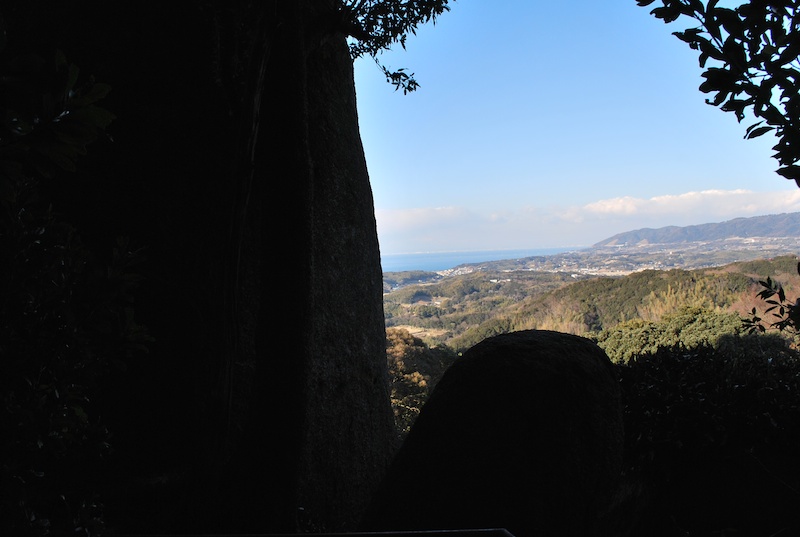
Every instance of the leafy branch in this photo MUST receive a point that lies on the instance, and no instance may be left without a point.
(377, 25)
(48, 116)
(754, 48)
(787, 313)
(66, 313)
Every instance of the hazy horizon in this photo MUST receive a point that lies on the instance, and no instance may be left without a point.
(547, 124)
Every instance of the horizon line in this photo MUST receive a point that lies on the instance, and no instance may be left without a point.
(487, 250)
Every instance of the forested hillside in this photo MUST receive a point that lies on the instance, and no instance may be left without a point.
(459, 311)
(781, 225)
(711, 411)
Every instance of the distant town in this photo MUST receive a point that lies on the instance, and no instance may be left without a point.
(672, 247)
(624, 258)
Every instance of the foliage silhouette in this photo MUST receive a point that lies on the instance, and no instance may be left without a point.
(786, 314)
(376, 25)
(66, 313)
(711, 437)
(754, 49)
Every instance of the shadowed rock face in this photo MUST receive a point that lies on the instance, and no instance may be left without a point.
(523, 432)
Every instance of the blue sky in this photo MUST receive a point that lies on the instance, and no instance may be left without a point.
(552, 124)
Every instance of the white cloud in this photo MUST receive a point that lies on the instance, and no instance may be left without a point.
(460, 228)
(712, 205)
(714, 202)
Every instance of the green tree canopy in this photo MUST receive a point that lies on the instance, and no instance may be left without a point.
(686, 329)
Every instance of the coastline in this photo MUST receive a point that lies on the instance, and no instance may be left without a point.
(436, 261)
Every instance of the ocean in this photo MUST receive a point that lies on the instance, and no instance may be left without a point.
(433, 261)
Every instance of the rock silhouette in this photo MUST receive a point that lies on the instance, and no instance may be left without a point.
(523, 432)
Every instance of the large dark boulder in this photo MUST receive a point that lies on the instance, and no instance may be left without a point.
(523, 432)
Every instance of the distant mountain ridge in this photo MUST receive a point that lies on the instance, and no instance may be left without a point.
(779, 225)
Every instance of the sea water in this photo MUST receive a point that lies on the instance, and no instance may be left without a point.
(433, 261)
